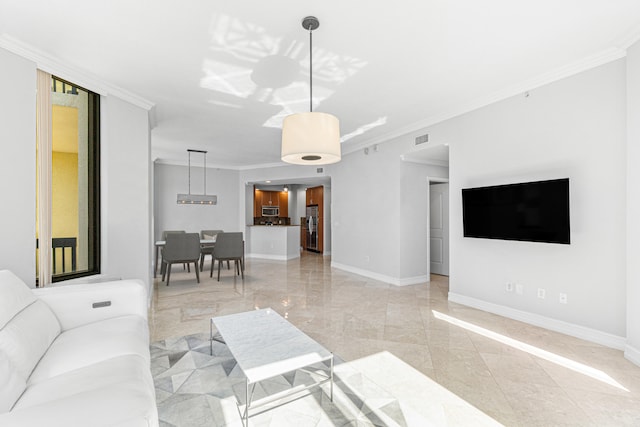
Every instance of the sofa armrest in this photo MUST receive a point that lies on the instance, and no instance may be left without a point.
(76, 305)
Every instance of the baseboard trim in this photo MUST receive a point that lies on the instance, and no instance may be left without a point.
(588, 334)
(632, 354)
(413, 280)
(381, 277)
(273, 257)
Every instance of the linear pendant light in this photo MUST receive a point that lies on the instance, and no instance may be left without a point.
(311, 138)
(197, 199)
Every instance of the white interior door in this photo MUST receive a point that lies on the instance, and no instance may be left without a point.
(439, 228)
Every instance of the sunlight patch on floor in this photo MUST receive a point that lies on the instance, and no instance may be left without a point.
(423, 401)
(534, 351)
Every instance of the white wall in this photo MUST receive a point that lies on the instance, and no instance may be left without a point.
(366, 213)
(414, 222)
(379, 209)
(246, 205)
(18, 166)
(301, 205)
(327, 204)
(632, 351)
(171, 180)
(125, 195)
(126, 190)
(572, 128)
(293, 205)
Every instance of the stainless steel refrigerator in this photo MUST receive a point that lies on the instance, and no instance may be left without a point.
(312, 227)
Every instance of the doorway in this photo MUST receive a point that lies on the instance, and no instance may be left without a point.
(438, 236)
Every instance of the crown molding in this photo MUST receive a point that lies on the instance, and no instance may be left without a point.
(55, 66)
(593, 61)
(629, 39)
(220, 166)
(266, 166)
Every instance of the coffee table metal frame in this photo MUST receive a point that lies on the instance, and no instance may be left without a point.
(296, 360)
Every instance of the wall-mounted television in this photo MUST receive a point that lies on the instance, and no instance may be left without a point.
(530, 211)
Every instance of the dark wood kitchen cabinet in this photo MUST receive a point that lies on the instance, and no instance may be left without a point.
(283, 203)
(270, 198)
(314, 196)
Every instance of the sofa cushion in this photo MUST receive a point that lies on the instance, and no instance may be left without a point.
(92, 343)
(27, 336)
(100, 375)
(12, 383)
(15, 295)
(115, 392)
(127, 404)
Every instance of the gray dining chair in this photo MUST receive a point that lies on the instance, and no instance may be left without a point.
(229, 247)
(207, 249)
(180, 248)
(164, 237)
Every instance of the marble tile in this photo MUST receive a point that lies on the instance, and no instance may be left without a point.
(518, 368)
(542, 405)
(399, 334)
(360, 319)
(605, 409)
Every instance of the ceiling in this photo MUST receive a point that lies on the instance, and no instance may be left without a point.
(223, 74)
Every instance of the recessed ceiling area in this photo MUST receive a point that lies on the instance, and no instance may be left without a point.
(280, 183)
(429, 155)
(221, 76)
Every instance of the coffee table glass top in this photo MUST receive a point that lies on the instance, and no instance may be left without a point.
(264, 344)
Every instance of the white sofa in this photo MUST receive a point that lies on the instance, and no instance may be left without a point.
(75, 355)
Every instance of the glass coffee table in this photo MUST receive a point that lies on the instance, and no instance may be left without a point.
(265, 345)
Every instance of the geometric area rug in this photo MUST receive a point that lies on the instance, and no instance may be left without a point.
(194, 388)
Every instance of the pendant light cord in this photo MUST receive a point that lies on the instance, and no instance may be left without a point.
(189, 172)
(310, 70)
(204, 170)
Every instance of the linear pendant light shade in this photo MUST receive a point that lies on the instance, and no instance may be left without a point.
(311, 139)
(197, 199)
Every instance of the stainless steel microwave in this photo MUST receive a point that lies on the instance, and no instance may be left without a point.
(270, 211)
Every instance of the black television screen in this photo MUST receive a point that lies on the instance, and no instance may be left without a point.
(531, 211)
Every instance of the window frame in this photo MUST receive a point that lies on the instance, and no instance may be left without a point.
(93, 187)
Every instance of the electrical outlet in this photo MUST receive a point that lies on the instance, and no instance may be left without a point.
(541, 293)
(509, 287)
(563, 298)
(519, 289)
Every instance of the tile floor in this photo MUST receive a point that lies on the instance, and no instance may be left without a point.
(517, 374)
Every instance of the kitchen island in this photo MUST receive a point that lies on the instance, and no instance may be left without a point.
(278, 242)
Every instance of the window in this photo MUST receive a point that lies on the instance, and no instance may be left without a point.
(74, 181)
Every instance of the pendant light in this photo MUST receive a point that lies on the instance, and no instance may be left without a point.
(311, 138)
(197, 199)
